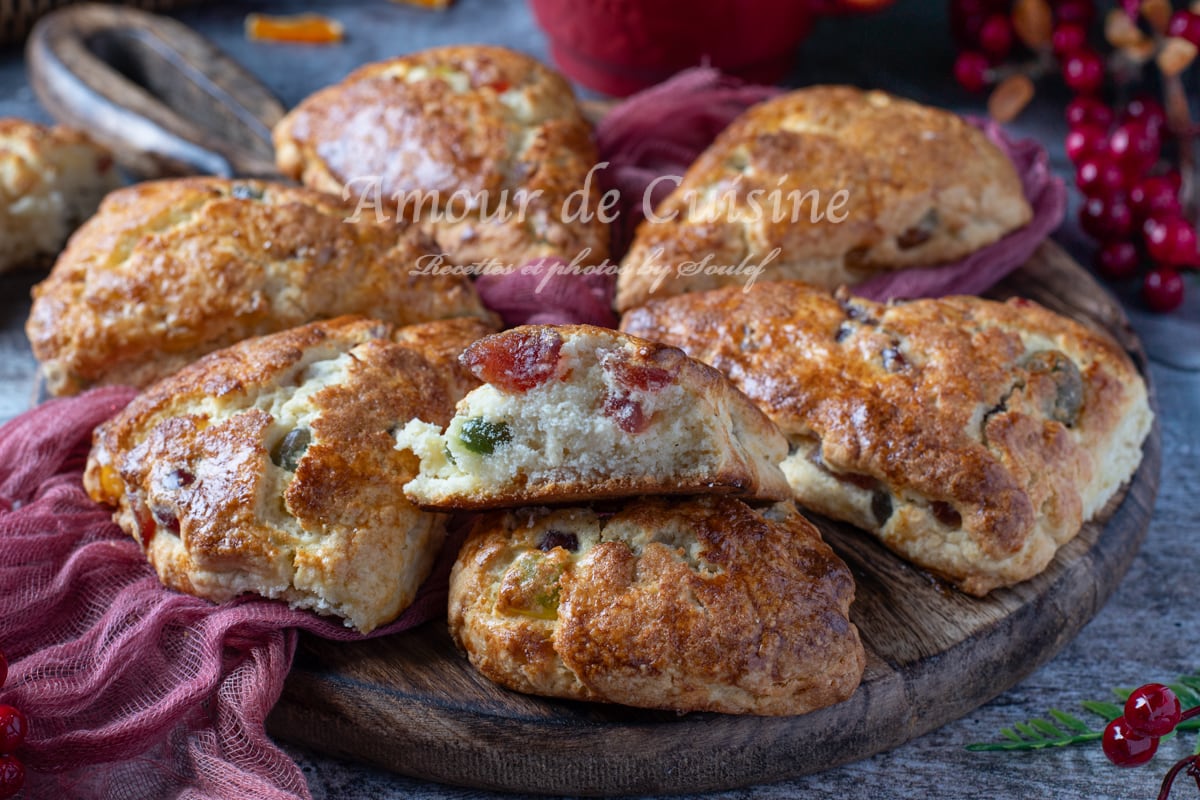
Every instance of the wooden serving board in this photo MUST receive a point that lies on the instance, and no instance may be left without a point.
(412, 704)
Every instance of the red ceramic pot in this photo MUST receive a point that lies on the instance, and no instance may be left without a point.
(620, 46)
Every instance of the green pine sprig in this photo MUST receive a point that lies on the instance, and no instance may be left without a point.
(1063, 729)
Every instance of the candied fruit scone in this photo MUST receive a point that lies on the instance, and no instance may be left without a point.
(484, 147)
(574, 412)
(690, 604)
(170, 270)
(269, 467)
(830, 185)
(51, 179)
(973, 437)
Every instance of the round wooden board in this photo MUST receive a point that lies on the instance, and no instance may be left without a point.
(412, 704)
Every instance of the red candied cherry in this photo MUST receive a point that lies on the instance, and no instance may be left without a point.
(1175, 178)
(1171, 241)
(996, 36)
(1106, 219)
(1084, 110)
(1083, 71)
(1086, 140)
(1155, 196)
(1117, 260)
(12, 776)
(1135, 147)
(1153, 710)
(1077, 12)
(1125, 747)
(1162, 289)
(1185, 25)
(1148, 111)
(1099, 175)
(971, 71)
(12, 729)
(1067, 37)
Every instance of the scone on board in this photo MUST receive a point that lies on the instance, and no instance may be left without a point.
(575, 413)
(170, 270)
(485, 146)
(691, 604)
(51, 179)
(830, 185)
(269, 467)
(972, 437)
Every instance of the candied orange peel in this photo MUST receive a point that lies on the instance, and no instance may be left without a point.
(294, 29)
(426, 3)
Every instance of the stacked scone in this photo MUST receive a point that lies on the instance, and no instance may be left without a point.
(672, 577)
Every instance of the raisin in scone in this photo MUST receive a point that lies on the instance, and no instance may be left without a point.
(574, 413)
(269, 467)
(972, 437)
(694, 604)
(483, 145)
(830, 185)
(51, 179)
(170, 270)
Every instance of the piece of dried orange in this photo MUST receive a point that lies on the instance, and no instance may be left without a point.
(295, 29)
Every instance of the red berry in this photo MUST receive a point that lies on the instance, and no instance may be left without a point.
(996, 36)
(1084, 141)
(1099, 175)
(1083, 71)
(1086, 110)
(1106, 219)
(1162, 289)
(12, 729)
(1155, 196)
(1153, 710)
(12, 776)
(1175, 178)
(1185, 25)
(1172, 241)
(1148, 111)
(971, 71)
(1134, 147)
(1067, 37)
(1077, 12)
(1124, 747)
(1117, 260)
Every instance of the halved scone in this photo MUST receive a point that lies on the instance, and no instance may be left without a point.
(575, 412)
(691, 604)
(268, 467)
(972, 437)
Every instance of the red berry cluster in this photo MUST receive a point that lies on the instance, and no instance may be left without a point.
(1131, 197)
(1151, 712)
(12, 735)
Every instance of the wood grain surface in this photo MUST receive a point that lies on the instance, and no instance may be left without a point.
(412, 704)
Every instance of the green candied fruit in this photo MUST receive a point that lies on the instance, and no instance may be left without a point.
(483, 437)
(290, 449)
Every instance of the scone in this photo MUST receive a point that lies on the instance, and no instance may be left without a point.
(830, 185)
(485, 146)
(170, 270)
(972, 437)
(695, 604)
(574, 413)
(268, 467)
(51, 179)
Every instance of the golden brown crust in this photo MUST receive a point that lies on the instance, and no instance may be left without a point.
(699, 604)
(484, 121)
(920, 187)
(971, 436)
(51, 179)
(588, 413)
(170, 270)
(205, 477)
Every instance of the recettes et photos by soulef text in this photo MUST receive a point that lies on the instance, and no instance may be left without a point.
(315, 410)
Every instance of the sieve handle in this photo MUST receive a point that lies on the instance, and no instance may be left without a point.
(163, 98)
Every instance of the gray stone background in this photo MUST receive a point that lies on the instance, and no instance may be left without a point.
(1146, 632)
